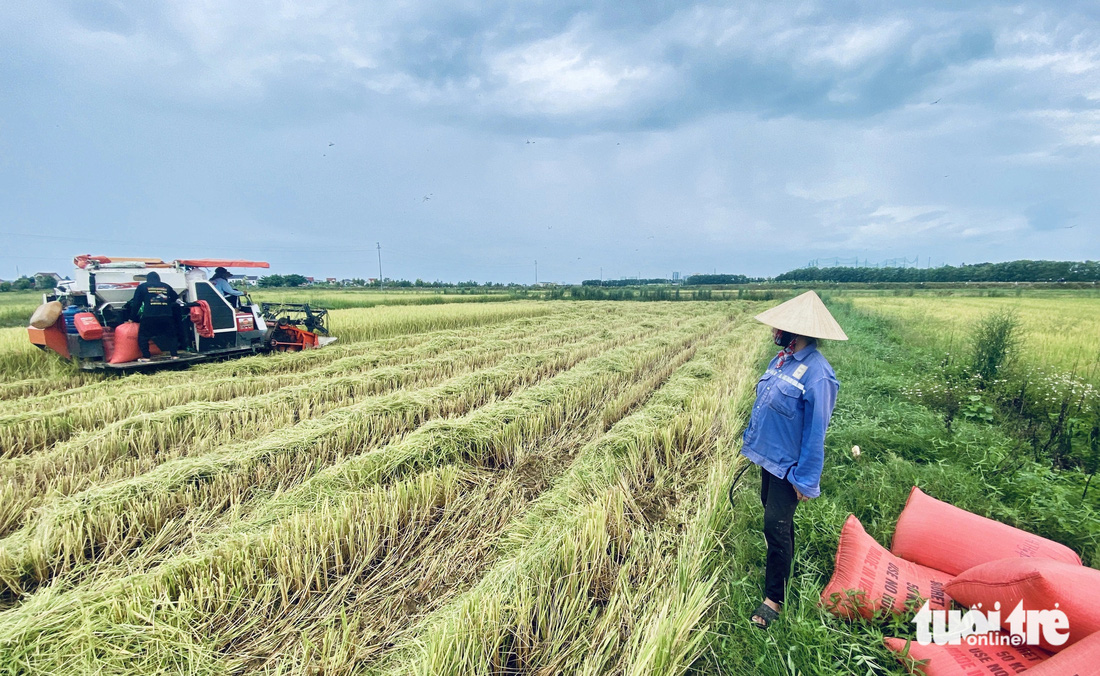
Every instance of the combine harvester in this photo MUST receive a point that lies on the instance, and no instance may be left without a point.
(86, 320)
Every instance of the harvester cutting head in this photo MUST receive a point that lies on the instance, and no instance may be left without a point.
(295, 326)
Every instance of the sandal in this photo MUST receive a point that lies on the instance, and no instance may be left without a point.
(767, 615)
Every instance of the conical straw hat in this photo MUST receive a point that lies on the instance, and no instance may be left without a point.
(804, 315)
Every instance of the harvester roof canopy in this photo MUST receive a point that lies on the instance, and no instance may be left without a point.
(224, 263)
(83, 261)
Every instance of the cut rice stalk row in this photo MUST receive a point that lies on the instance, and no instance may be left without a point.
(114, 519)
(127, 449)
(355, 325)
(37, 428)
(287, 365)
(507, 428)
(584, 564)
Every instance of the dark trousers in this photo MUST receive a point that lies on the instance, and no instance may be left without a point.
(160, 330)
(779, 500)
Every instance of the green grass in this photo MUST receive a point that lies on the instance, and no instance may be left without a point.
(978, 467)
(16, 307)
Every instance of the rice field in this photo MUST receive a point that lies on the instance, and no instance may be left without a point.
(471, 488)
(1058, 331)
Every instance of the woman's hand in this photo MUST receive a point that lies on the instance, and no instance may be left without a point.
(801, 498)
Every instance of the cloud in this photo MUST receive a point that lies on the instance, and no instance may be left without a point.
(562, 75)
(753, 136)
(1049, 215)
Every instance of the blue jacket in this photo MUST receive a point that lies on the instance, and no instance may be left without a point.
(786, 432)
(222, 285)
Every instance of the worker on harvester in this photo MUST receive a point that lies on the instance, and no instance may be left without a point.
(786, 432)
(155, 306)
(220, 280)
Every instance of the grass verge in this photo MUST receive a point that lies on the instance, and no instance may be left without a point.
(903, 444)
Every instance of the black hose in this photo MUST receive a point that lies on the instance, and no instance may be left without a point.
(736, 480)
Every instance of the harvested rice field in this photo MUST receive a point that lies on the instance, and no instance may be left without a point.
(511, 487)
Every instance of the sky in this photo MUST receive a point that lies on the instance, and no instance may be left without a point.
(471, 139)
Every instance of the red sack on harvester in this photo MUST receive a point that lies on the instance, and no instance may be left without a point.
(200, 317)
(121, 345)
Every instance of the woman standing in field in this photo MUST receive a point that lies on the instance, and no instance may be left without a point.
(786, 433)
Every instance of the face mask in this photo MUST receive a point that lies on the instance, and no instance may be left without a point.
(782, 338)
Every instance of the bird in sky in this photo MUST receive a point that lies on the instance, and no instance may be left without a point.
(330, 144)
(427, 197)
(936, 101)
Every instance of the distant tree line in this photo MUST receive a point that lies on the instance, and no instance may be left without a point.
(1012, 271)
(469, 284)
(720, 279)
(24, 283)
(618, 292)
(624, 282)
(692, 280)
(269, 281)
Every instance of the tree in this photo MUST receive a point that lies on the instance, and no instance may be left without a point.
(23, 284)
(268, 281)
(294, 280)
(44, 282)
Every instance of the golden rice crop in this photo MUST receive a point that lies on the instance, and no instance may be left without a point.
(142, 442)
(44, 425)
(1055, 330)
(424, 344)
(556, 518)
(26, 371)
(118, 517)
(584, 551)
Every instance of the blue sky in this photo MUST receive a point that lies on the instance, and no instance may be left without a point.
(473, 138)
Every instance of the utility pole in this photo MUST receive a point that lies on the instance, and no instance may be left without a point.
(536, 272)
(379, 265)
(601, 275)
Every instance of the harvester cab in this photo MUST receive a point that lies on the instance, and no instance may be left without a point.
(91, 321)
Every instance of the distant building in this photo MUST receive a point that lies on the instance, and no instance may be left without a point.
(56, 277)
(330, 280)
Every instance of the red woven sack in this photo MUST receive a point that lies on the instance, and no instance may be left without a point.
(941, 536)
(124, 347)
(1042, 584)
(1080, 659)
(971, 660)
(886, 581)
